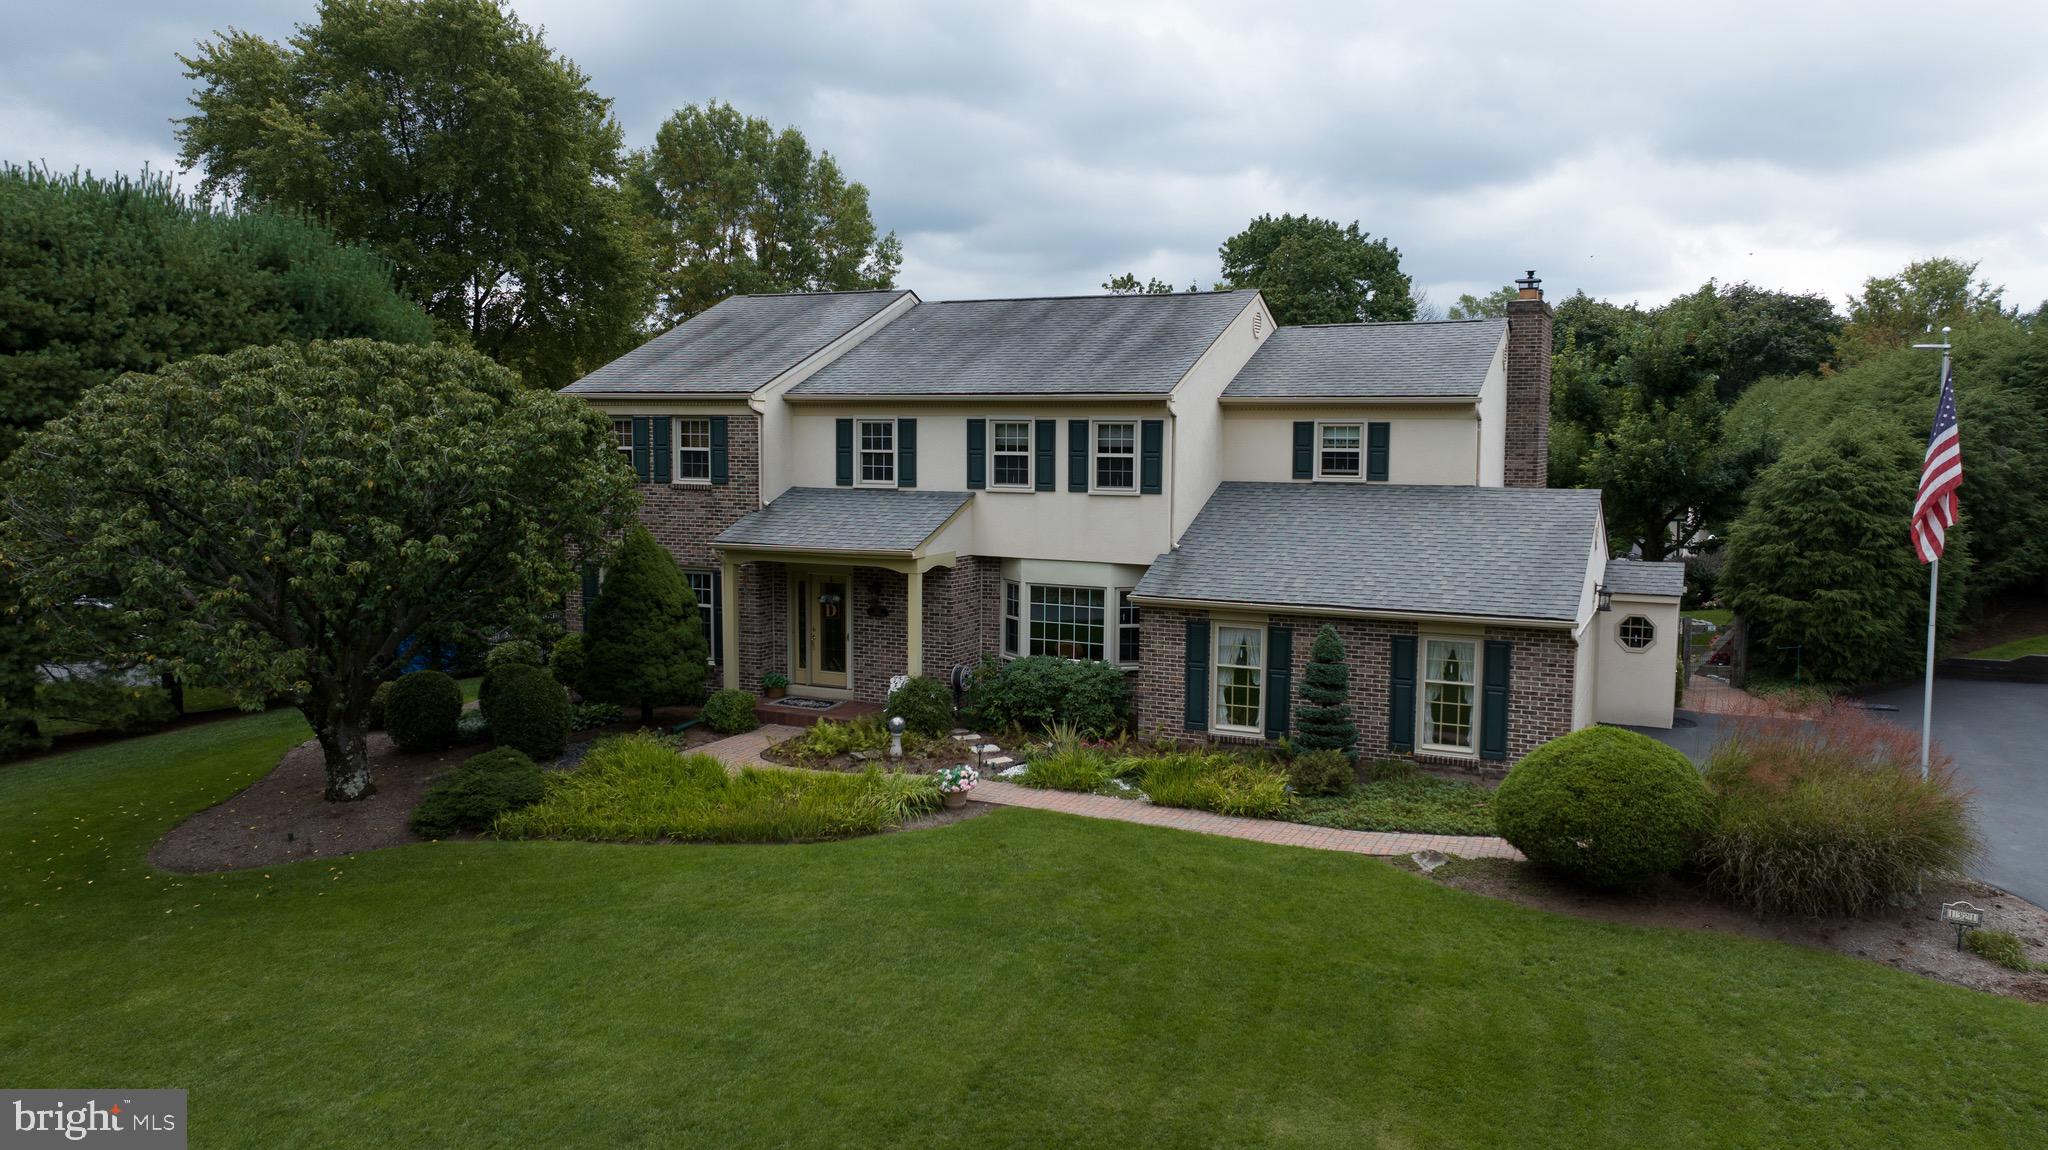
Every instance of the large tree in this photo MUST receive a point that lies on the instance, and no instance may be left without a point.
(1318, 271)
(447, 135)
(1893, 311)
(283, 519)
(739, 207)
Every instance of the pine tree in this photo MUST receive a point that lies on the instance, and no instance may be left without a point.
(1323, 720)
(645, 641)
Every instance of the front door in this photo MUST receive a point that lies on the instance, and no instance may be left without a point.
(821, 619)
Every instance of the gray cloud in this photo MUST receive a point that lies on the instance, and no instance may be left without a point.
(1630, 150)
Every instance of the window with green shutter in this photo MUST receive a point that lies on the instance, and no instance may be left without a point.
(1279, 679)
(1152, 456)
(977, 454)
(906, 453)
(842, 434)
(1195, 677)
(1493, 700)
(1401, 694)
(1077, 455)
(1305, 449)
(1376, 436)
(721, 468)
(1047, 432)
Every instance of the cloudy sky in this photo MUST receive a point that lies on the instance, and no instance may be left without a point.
(1630, 150)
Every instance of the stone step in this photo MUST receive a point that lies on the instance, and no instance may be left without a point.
(965, 737)
(998, 761)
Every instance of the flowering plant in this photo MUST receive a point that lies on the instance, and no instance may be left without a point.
(957, 780)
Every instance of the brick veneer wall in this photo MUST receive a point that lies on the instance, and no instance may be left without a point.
(1539, 679)
(1528, 408)
(880, 646)
(763, 622)
(963, 615)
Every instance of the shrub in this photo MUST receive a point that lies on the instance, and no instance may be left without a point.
(2000, 946)
(472, 728)
(644, 641)
(1388, 770)
(586, 716)
(530, 711)
(512, 653)
(1036, 692)
(925, 706)
(1215, 781)
(1323, 772)
(1418, 804)
(825, 738)
(105, 703)
(774, 681)
(473, 794)
(565, 660)
(636, 787)
(1323, 719)
(1608, 807)
(380, 701)
(422, 711)
(729, 712)
(1829, 816)
(1067, 768)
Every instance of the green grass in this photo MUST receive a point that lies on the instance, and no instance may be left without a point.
(1021, 979)
(1719, 616)
(1421, 803)
(2018, 648)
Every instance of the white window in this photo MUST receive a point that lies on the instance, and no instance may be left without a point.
(622, 436)
(1012, 616)
(1450, 676)
(1010, 457)
(693, 451)
(1116, 456)
(1340, 451)
(1636, 632)
(878, 452)
(705, 587)
(1126, 627)
(1067, 622)
(1240, 675)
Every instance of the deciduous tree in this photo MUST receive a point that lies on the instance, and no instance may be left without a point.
(1318, 271)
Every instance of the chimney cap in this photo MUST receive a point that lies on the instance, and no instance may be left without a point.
(1532, 288)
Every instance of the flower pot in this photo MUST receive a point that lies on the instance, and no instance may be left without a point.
(773, 692)
(955, 800)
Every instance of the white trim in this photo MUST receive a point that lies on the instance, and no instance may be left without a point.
(1352, 613)
(1474, 685)
(861, 451)
(1258, 668)
(1322, 476)
(1029, 453)
(1621, 641)
(1095, 485)
(676, 449)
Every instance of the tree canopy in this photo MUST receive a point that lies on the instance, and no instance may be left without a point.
(1127, 284)
(737, 207)
(448, 136)
(1895, 310)
(283, 519)
(1492, 305)
(1318, 271)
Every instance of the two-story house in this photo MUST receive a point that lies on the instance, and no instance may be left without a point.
(867, 485)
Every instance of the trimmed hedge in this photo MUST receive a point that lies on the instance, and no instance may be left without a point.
(730, 712)
(422, 711)
(511, 653)
(529, 711)
(1608, 807)
(925, 706)
(1037, 692)
(380, 701)
(477, 792)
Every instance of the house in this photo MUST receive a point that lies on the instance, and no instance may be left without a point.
(864, 485)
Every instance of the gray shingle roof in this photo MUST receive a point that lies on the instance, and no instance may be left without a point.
(1636, 577)
(736, 346)
(1132, 344)
(1511, 552)
(1372, 360)
(846, 519)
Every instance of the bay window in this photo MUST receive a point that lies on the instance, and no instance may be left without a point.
(1012, 615)
(1126, 627)
(1067, 622)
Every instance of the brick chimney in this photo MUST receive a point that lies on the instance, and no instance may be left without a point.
(1528, 364)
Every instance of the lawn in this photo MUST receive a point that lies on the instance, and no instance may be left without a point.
(2037, 645)
(1020, 979)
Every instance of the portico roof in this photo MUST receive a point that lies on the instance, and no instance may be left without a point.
(847, 520)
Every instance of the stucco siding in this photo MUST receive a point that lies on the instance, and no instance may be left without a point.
(1636, 686)
(1433, 444)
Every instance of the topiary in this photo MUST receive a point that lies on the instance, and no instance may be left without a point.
(530, 711)
(380, 701)
(1607, 807)
(511, 653)
(925, 706)
(730, 712)
(477, 792)
(565, 659)
(1323, 719)
(644, 643)
(1321, 772)
(422, 711)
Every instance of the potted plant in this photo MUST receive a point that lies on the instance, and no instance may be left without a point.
(774, 684)
(955, 782)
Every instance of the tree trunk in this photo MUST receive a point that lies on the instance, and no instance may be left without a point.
(348, 762)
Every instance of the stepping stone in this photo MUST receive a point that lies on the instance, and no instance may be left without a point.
(986, 749)
(999, 760)
(965, 737)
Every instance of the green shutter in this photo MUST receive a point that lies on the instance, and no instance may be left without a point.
(1401, 695)
(589, 593)
(1305, 449)
(1195, 677)
(720, 469)
(1376, 451)
(643, 430)
(1279, 679)
(906, 453)
(1151, 456)
(664, 454)
(1047, 431)
(1077, 455)
(977, 454)
(1493, 700)
(844, 430)
(717, 616)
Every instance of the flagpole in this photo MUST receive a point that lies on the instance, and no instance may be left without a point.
(1933, 594)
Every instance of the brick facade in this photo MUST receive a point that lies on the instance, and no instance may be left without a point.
(1528, 406)
(963, 615)
(763, 622)
(1539, 679)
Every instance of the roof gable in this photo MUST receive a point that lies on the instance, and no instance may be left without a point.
(1372, 361)
(737, 346)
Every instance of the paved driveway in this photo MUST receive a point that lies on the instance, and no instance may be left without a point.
(1998, 733)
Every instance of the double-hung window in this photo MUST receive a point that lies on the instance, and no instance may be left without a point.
(1449, 685)
(622, 436)
(1340, 451)
(878, 452)
(693, 451)
(704, 585)
(1067, 622)
(1126, 628)
(1116, 457)
(1240, 677)
(1012, 616)
(1010, 454)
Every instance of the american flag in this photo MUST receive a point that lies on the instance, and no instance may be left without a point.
(1934, 511)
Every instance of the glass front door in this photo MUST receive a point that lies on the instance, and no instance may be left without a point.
(821, 617)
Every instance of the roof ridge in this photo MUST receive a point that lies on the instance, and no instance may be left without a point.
(1390, 323)
(1093, 295)
(791, 294)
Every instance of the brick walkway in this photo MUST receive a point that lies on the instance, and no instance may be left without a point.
(737, 751)
(1230, 826)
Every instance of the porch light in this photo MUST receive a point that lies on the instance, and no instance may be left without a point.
(1605, 597)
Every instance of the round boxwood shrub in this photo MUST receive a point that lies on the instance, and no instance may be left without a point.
(477, 792)
(511, 653)
(379, 703)
(565, 659)
(1321, 772)
(422, 711)
(925, 706)
(730, 712)
(1608, 807)
(529, 711)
